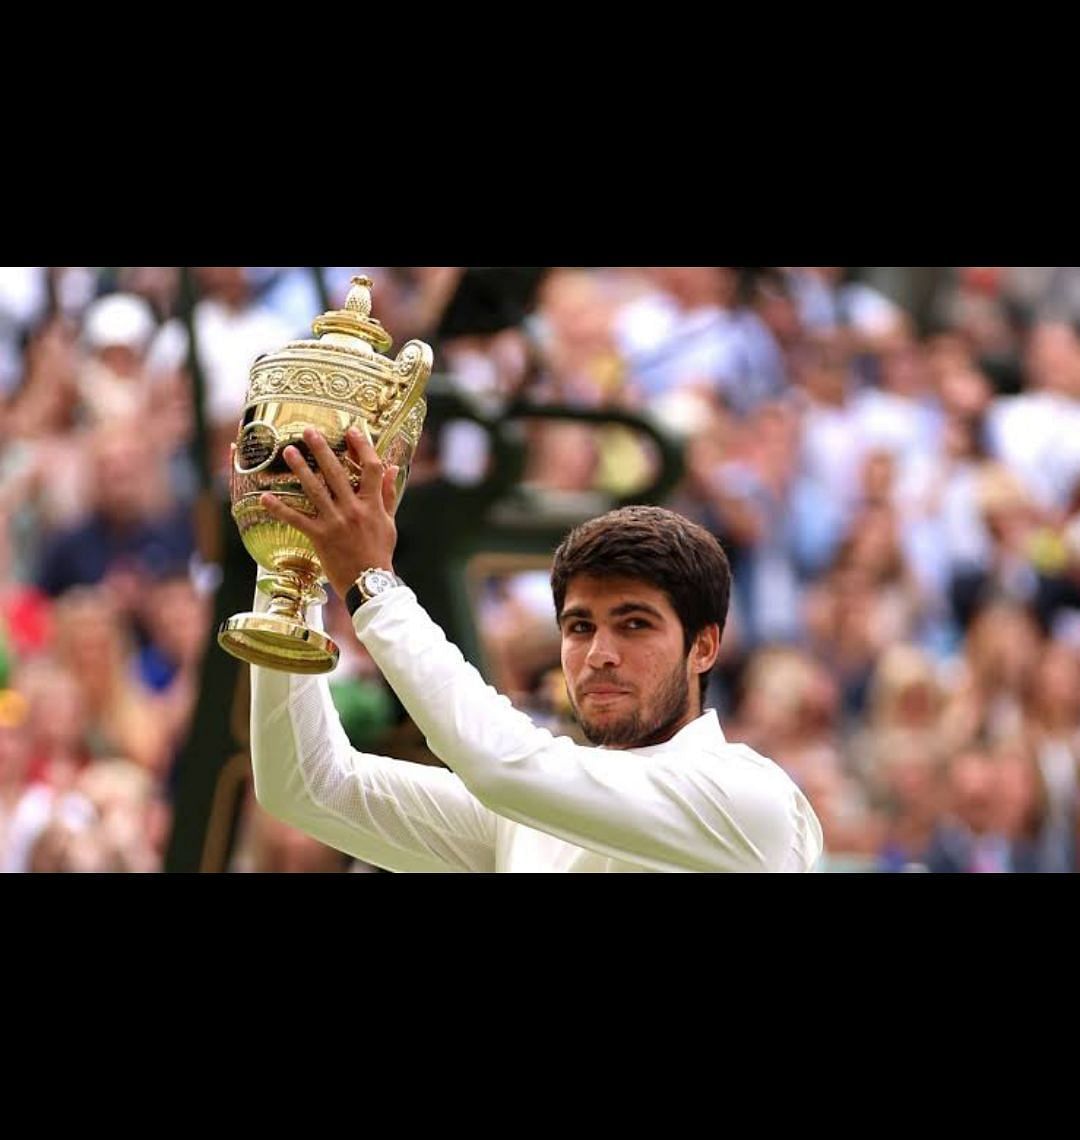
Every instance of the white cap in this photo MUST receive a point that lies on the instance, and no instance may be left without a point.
(119, 319)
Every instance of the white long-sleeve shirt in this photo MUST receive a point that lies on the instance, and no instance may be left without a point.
(516, 797)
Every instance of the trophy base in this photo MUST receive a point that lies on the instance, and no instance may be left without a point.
(277, 643)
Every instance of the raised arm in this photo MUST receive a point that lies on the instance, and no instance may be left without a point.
(393, 814)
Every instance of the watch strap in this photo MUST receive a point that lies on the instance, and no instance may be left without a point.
(353, 599)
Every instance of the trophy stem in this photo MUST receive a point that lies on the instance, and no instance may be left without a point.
(280, 638)
(291, 591)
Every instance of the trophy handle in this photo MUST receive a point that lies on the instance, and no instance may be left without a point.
(413, 370)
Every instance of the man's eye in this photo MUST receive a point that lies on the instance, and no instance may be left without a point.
(578, 627)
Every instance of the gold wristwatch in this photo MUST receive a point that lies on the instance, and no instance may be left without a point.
(370, 584)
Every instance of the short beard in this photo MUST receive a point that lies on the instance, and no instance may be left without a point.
(672, 705)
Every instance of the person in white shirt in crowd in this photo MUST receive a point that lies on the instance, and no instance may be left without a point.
(1037, 433)
(692, 331)
(641, 597)
(831, 300)
(232, 329)
(24, 299)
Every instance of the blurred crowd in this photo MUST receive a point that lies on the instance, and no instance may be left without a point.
(890, 455)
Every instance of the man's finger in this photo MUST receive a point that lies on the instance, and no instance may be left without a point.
(273, 506)
(367, 458)
(333, 472)
(363, 450)
(389, 489)
(313, 486)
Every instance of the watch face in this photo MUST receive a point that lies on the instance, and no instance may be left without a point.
(376, 581)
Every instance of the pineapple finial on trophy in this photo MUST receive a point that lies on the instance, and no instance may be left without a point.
(359, 298)
(355, 321)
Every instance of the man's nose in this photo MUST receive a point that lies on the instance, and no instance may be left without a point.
(603, 652)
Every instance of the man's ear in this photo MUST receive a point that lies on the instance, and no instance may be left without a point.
(706, 647)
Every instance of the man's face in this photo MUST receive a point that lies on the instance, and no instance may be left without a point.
(629, 678)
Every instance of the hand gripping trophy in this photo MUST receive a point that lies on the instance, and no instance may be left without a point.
(339, 381)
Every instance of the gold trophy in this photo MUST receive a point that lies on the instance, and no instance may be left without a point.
(334, 383)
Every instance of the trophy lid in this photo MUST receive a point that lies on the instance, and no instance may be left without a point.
(355, 320)
(341, 376)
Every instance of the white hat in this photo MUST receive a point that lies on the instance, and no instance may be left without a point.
(119, 319)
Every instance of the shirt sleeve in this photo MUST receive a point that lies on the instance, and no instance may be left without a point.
(688, 810)
(391, 813)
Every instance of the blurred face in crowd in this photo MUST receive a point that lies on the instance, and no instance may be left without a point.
(227, 283)
(695, 285)
(822, 369)
(903, 367)
(123, 472)
(1003, 646)
(973, 791)
(1020, 791)
(629, 677)
(58, 715)
(1053, 358)
(14, 753)
(1057, 683)
(177, 618)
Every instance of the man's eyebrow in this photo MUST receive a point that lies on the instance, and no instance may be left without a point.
(619, 611)
(635, 607)
(575, 612)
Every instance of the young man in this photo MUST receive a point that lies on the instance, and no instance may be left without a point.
(641, 596)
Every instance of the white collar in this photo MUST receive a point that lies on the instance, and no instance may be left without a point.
(700, 733)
